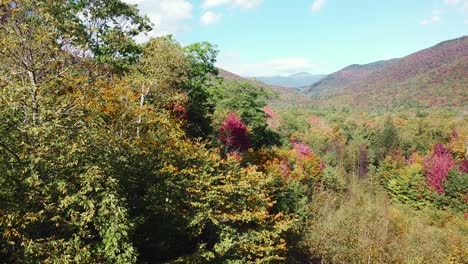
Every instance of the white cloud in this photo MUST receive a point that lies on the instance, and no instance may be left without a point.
(452, 2)
(465, 7)
(210, 17)
(318, 5)
(461, 4)
(214, 3)
(432, 20)
(244, 4)
(168, 16)
(247, 4)
(133, 2)
(281, 66)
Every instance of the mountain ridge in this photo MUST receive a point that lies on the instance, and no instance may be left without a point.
(428, 78)
(296, 80)
(285, 94)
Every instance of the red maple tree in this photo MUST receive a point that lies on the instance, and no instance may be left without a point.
(437, 167)
(234, 134)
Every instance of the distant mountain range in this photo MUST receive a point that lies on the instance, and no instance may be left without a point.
(285, 94)
(297, 80)
(437, 76)
(234, 77)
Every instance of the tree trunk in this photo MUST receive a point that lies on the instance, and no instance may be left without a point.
(33, 91)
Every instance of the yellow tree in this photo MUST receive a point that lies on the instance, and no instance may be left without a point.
(61, 202)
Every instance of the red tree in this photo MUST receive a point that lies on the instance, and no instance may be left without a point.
(463, 167)
(234, 134)
(437, 167)
(302, 149)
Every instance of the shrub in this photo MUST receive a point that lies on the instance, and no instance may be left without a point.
(364, 227)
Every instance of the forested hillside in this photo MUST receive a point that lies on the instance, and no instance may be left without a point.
(117, 152)
(434, 77)
(348, 75)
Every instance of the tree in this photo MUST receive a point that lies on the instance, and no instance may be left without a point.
(60, 199)
(437, 167)
(455, 196)
(159, 76)
(408, 186)
(104, 29)
(237, 217)
(233, 134)
(248, 101)
(386, 140)
(201, 57)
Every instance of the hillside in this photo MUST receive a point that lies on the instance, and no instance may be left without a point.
(284, 94)
(232, 76)
(297, 80)
(434, 77)
(347, 76)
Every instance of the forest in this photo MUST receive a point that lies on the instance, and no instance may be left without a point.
(113, 151)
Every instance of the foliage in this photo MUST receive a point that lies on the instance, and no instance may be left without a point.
(103, 28)
(61, 199)
(455, 192)
(100, 29)
(248, 102)
(457, 144)
(409, 186)
(91, 161)
(437, 166)
(233, 134)
(241, 225)
(428, 79)
(386, 140)
(201, 57)
(381, 232)
(108, 155)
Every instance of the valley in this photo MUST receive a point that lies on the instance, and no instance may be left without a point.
(124, 142)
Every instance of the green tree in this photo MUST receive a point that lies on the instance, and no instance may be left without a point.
(386, 140)
(202, 57)
(247, 101)
(160, 75)
(103, 28)
(408, 186)
(455, 192)
(60, 200)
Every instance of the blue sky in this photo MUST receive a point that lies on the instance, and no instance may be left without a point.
(277, 37)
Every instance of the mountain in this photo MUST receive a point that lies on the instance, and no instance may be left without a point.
(285, 94)
(437, 76)
(234, 77)
(347, 76)
(298, 80)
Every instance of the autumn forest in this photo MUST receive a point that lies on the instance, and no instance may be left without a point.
(115, 151)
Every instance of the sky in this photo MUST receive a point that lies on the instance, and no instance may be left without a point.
(278, 37)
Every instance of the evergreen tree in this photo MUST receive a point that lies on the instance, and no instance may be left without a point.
(386, 140)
